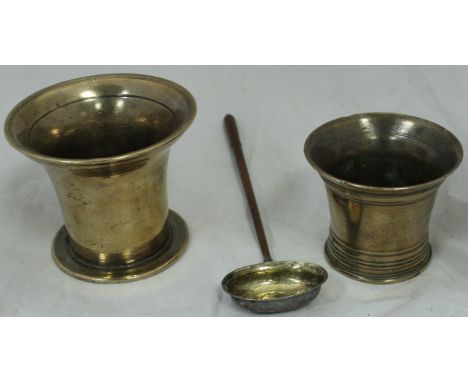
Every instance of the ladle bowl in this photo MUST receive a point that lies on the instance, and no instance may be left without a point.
(275, 286)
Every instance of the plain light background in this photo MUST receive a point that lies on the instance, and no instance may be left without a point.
(276, 108)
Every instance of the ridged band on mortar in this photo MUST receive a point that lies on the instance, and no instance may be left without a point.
(377, 267)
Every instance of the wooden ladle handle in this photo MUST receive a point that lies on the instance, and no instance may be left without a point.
(233, 135)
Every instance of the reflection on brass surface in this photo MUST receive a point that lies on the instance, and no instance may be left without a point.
(382, 172)
(104, 141)
(276, 286)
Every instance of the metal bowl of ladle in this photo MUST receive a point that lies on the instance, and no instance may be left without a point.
(271, 286)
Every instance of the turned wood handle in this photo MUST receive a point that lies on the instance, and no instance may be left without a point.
(234, 140)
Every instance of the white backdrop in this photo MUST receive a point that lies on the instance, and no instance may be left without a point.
(276, 108)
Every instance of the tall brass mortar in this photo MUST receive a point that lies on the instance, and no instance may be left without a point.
(104, 141)
(381, 173)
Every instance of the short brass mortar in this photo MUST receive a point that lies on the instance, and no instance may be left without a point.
(381, 172)
(104, 141)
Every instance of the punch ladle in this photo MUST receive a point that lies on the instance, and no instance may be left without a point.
(271, 286)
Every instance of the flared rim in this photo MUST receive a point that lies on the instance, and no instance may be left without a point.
(13, 141)
(366, 188)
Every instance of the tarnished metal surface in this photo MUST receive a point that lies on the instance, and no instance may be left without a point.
(104, 141)
(276, 286)
(381, 172)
